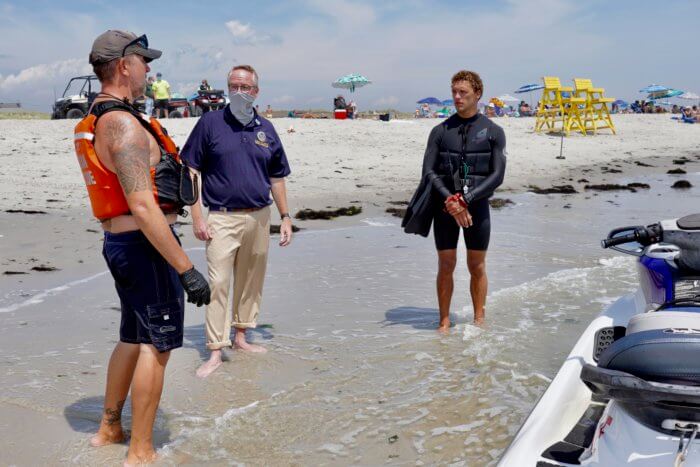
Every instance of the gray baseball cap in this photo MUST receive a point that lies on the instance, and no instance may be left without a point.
(116, 44)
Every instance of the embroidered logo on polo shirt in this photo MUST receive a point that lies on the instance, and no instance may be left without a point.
(261, 139)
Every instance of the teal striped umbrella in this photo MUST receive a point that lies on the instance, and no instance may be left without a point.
(351, 82)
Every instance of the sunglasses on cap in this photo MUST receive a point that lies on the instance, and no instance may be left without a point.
(141, 41)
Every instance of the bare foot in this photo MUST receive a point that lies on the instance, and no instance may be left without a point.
(479, 318)
(210, 365)
(134, 460)
(444, 327)
(246, 347)
(105, 437)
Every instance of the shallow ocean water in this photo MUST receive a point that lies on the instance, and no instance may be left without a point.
(356, 374)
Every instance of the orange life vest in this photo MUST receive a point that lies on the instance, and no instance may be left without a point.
(106, 194)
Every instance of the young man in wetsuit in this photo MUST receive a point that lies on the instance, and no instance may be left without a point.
(465, 162)
(149, 266)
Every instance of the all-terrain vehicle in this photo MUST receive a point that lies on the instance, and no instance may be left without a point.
(205, 100)
(77, 97)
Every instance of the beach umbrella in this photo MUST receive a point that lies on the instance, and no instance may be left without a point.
(508, 98)
(448, 102)
(430, 101)
(351, 82)
(654, 88)
(690, 96)
(621, 103)
(528, 88)
(665, 94)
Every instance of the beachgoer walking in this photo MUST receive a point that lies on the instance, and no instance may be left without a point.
(118, 152)
(464, 163)
(268, 112)
(161, 95)
(241, 160)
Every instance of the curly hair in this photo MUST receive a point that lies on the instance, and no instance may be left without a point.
(472, 78)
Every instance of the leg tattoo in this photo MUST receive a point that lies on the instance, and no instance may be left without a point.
(114, 416)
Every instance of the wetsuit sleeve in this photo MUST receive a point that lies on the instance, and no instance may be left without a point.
(431, 160)
(498, 169)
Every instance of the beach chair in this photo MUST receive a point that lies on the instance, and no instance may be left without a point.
(557, 109)
(596, 114)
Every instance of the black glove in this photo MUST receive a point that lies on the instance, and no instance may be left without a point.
(196, 287)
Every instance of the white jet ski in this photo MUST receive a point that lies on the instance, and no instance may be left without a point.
(629, 391)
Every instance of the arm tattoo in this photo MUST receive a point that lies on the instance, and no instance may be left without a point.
(130, 150)
(114, 416)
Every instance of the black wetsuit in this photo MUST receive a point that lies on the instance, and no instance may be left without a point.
(471, 152)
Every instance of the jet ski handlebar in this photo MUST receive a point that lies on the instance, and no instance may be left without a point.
(643, 235)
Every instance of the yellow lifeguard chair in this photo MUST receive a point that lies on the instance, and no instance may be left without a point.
(596, 114)
(555, 109)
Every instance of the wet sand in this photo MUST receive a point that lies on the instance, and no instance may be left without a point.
(356, 374)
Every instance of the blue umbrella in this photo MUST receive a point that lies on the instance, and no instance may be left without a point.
(448, 102)
(654, 88)
(664, 94)
(430, 100)
(528, 88)
(351, 82)
(620, 103)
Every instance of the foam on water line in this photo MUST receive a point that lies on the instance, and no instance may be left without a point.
(41, 296)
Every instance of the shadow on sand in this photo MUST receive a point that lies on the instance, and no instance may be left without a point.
(84, 416)
(418, 318)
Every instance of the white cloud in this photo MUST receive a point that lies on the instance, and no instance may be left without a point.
(244, 34)
(45, 74)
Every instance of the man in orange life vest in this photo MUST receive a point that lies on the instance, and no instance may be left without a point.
(120, 154)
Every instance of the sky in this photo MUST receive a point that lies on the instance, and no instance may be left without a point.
(409, 49)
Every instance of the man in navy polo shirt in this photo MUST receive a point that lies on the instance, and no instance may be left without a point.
(240, 160)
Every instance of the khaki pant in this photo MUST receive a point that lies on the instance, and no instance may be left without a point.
(238, 248)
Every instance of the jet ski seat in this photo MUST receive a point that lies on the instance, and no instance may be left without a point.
(653, 373)
(675, 319)
(691, 222)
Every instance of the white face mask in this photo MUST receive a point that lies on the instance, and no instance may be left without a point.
(242, 106)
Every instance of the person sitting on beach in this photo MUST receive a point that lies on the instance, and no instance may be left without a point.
(352, 108)
(118, 154)
(490, 110)
(241, 161)
(464, 163)
(204, 86)
(524, 109)
(687, 116)
(339, 103)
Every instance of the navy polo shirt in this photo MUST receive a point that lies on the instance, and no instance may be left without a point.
(236, 161)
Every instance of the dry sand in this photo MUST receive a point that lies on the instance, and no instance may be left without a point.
(334, 163)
